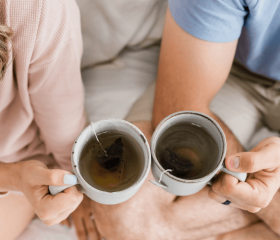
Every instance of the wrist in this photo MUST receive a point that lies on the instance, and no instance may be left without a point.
(10, 177)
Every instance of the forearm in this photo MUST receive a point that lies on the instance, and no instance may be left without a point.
(9, 176)
(191, 72)
(271, 214)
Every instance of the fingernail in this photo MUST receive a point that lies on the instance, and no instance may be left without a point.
(70, 179)
(235, 163)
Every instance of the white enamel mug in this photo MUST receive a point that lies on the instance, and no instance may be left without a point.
(183, 187)
(95, 194)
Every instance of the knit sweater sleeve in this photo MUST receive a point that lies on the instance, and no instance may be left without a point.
(55, 85)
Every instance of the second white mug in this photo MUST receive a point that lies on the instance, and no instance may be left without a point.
(180, 186)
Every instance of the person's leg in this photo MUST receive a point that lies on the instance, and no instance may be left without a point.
(258, 231)
(15, 214)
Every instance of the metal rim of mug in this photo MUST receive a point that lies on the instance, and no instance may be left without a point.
(127, 190)
(221, 160)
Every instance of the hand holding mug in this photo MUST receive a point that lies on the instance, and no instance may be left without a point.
(33, 182)
(100, 185)
(263, 164)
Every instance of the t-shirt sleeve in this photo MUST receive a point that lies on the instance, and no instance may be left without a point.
(55, 84)
(210, 20)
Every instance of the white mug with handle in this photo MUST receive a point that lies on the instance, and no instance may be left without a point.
(180, 186)
(98, 127)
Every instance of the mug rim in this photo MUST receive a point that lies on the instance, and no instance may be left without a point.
(122, 192)
(222, 156)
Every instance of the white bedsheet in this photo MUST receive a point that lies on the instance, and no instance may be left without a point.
(37, 230)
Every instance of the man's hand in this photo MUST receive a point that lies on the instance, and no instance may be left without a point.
(263, 164)
(34, 180)
(84, 221)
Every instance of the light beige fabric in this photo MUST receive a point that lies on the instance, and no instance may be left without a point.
(110, 26)
(41, 96)
(121, 46)
(250, 109)
(142, 109)
(112, 88)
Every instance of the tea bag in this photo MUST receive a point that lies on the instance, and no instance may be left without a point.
(180, 165)
(114, 157)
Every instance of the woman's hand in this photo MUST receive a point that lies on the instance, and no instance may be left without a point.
(34, 181)
(263, 164)
(84, 221)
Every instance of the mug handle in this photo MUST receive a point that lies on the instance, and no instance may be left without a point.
(240, 176)
(58, 189)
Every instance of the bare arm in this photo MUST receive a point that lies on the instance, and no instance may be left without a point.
(191, 72)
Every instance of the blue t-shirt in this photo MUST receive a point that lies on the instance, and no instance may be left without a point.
(255, 22)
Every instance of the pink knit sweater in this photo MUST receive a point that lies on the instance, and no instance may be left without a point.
(41, 96)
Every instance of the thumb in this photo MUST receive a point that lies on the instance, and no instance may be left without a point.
(250, 162)
(55, 177)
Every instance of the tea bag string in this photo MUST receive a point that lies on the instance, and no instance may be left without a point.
(167, 170)
(92, 128)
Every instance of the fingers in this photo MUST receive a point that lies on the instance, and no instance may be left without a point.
(50, 206)
(60, 217)
(263, 162)
(265, 156)
(221, 200)
(36, 178)
(251, 195)
(91, 228)
(84, 221)
(77, 217)
(54, 177)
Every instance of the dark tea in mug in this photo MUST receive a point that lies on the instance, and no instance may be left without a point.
(115, 165)
(188, 150)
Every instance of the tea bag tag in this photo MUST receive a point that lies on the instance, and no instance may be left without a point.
(92, 128)
(158, 183)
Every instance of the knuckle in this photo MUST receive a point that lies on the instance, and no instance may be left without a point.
(52, 176)
(48, 223)
(216, 187)
(227, 189)
(263, 203)
(252, 162)
(43, 215)
(81, 197)
(77, 198)
(253, 209)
